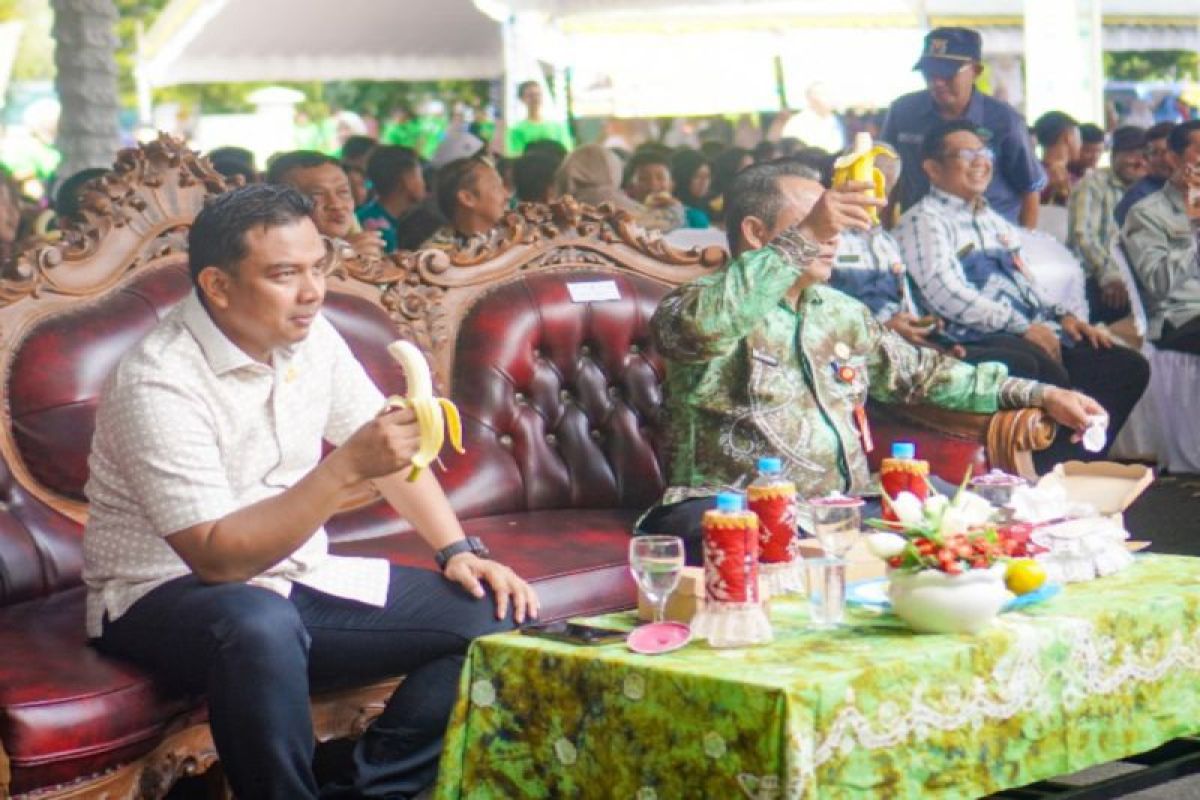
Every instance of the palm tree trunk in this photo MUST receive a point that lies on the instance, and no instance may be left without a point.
(86, 83)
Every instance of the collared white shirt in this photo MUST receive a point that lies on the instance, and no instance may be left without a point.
(933, 235)
(190, 429)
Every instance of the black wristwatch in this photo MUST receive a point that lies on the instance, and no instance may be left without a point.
(471, 544)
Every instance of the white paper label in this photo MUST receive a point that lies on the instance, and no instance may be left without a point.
(593, 291)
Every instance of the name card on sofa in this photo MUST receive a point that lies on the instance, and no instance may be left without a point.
(593, 291)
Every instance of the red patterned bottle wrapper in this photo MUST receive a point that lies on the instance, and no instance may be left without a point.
(775, 507)
(898, 475)
(731, 556)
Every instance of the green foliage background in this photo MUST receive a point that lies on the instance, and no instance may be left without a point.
(35, 61)
(1150, 65)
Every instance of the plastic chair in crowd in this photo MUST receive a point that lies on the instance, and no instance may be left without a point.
(1164, 422)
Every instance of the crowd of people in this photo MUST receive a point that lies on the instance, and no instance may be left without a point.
(223, 582)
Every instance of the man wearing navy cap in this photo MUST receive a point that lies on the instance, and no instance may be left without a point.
(950, 63)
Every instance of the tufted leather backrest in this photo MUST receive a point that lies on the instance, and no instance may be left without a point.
(562, 401)
(57, 372)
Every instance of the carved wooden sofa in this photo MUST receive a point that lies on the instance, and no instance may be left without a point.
(563, 425)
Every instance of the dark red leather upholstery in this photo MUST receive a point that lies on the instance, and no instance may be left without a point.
(562, 401)
(577, 558)
(65, 710)
(61, 365)
(948, 457)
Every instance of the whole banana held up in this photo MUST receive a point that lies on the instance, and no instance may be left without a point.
(434, 414)
(859, 165)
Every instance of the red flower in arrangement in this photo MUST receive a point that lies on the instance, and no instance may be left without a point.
(950, 535)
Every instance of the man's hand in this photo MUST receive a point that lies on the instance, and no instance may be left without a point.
(917, 333)
(366, 243)
(910, 328)
(839, 209)
(1114, 294)
(1071, 409)
(384, 445)
(1078, 330)
(467, 569)
(1044, 337)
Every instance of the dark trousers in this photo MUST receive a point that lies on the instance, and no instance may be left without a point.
(1185, 338)
(255, 654)
(1099, 311)
(1115, 377)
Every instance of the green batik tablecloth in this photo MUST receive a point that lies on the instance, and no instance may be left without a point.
(1104, 670)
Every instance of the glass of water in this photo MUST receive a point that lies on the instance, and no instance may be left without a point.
(656, 563)
(836, 522)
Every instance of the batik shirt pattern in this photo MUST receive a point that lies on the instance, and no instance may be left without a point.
(748, 375)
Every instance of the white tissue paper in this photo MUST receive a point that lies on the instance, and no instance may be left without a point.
(1079, 543)
(1096, 434)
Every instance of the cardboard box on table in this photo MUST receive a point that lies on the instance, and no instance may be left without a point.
(1108, 487)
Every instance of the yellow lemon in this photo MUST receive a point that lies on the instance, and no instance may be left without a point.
(1024, 576)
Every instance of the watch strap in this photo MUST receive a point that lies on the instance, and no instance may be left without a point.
(471, 544)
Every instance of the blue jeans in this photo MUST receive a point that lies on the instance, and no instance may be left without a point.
(256, 655)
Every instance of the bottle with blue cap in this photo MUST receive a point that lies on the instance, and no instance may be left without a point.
(733, 613)
(730, 502)
(772, 497)
(903, 472)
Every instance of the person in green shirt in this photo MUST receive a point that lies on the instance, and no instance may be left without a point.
(764, 358)
(533, 127)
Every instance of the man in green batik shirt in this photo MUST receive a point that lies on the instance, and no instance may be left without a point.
(764, 359)
(533, 128)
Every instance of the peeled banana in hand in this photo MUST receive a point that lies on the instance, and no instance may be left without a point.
(434, 414)
(859, 165)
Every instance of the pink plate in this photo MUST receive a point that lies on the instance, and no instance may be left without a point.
(659, 637)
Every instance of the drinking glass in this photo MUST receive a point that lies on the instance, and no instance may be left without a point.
(826, 591)
(836, 522)
(656, 563)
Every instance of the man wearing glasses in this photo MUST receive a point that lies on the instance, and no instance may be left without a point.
(951, 63)
(965, 260)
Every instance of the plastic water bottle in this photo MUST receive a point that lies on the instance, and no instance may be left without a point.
(772, 497)
(733, 614)
(903, 472)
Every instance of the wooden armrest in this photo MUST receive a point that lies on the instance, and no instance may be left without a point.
(1009, 437)
(1015, 435)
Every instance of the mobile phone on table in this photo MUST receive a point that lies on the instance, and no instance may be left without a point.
(575, 632)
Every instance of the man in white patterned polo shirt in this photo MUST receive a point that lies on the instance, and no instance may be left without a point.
(204, 555)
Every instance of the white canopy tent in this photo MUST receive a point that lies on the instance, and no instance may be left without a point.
(727, 50)
(210, 41)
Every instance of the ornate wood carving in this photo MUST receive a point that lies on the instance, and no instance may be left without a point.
(1014, 436)
(190, 751)
(427, 292)
(140, 213)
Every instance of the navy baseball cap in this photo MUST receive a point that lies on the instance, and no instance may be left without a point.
(947, 49)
